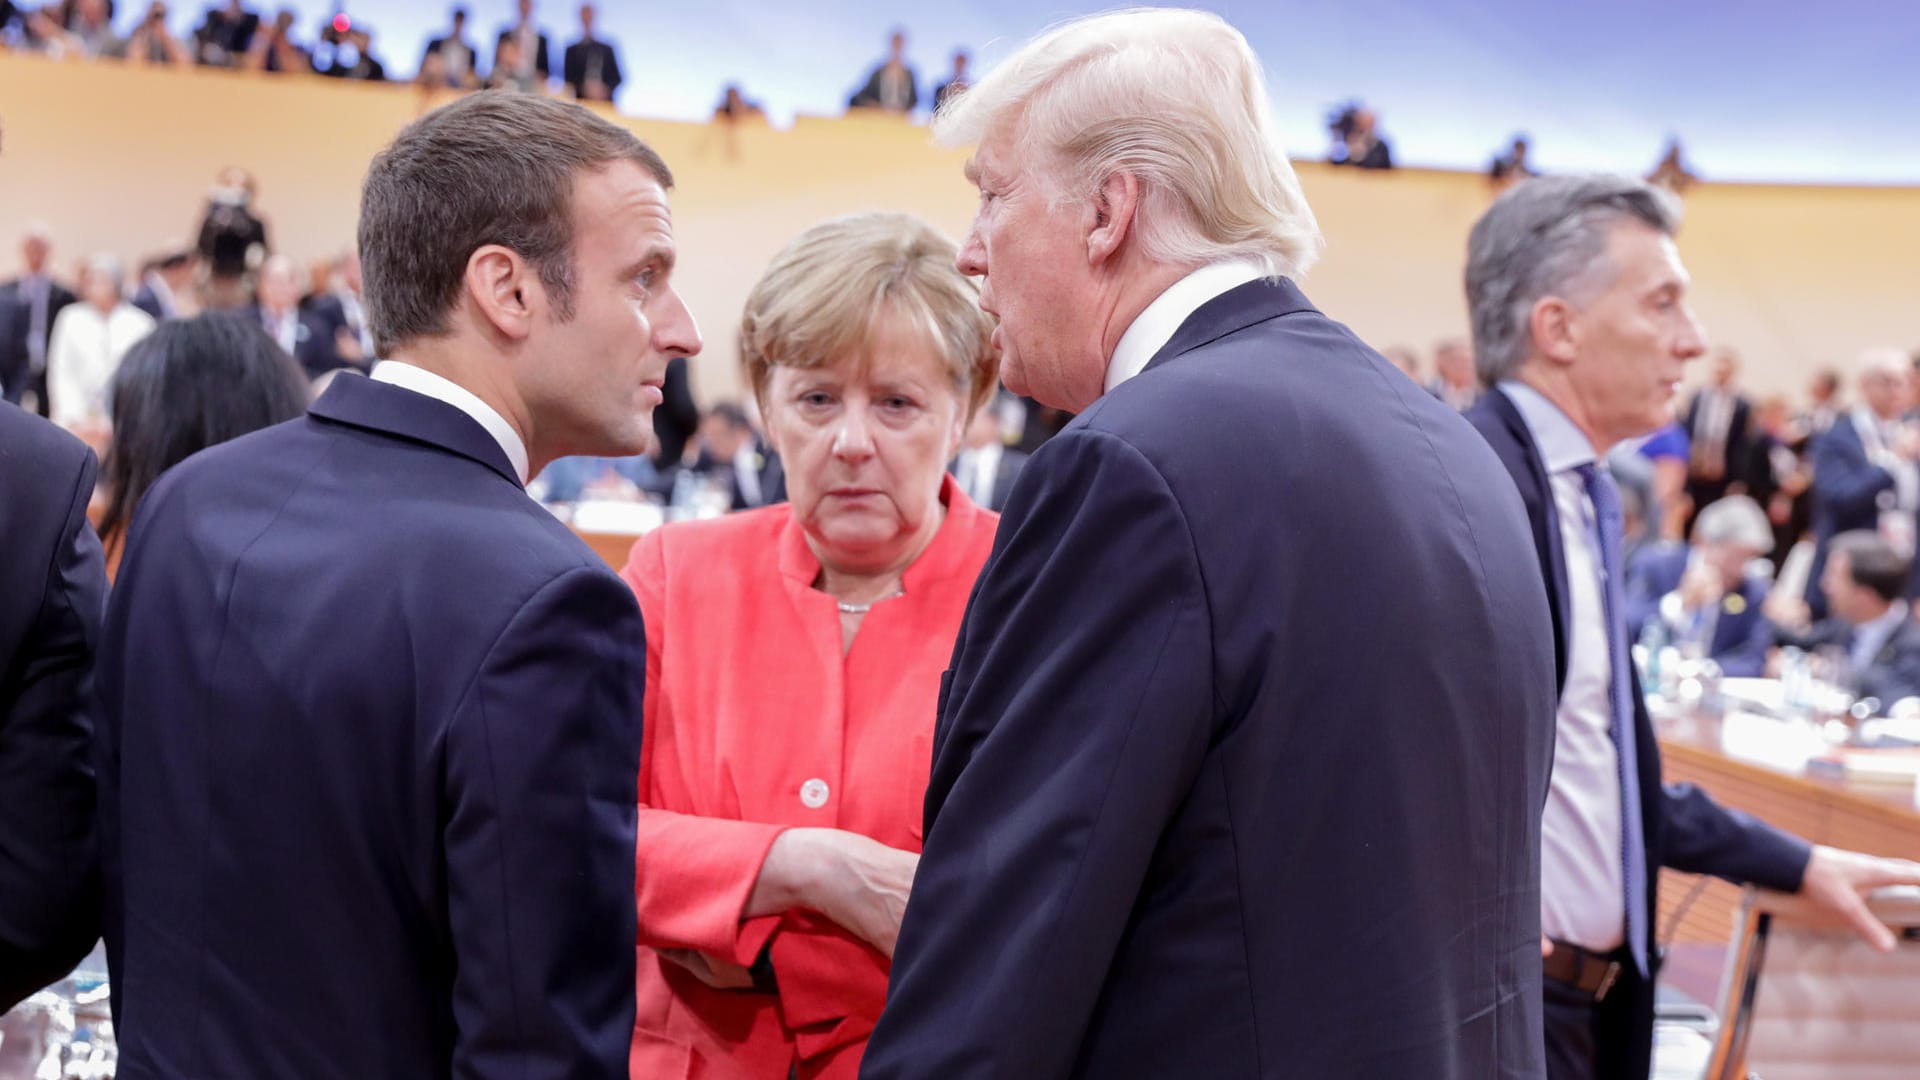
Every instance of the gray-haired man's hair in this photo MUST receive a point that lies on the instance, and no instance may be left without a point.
(1546, 237)
(1736, 519)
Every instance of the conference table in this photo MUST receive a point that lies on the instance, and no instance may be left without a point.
(1784, 772)
(1748, 760)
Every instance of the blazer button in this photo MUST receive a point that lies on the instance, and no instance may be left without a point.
(813, 794)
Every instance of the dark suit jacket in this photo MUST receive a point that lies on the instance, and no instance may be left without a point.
(366, 69)
(329, 317)
(1741, 634)
(148, 300)
(435, 45)
(369, 740)
(1895, 670)
(16, 322)
(314, 345)
(1736, 445)
(946, 90)
(1846, 491)
(1685, 829)
(1239, 779)
(53, 587)
(539, 55)
(869, 92)
(677, 417)
(579, 54)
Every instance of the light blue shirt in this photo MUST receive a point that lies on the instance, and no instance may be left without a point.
(1582, 887)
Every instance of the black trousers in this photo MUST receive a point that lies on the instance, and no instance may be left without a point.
(1588, 1041)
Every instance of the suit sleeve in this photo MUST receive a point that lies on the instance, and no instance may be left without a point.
(1848, 482)
(692, 874)
(1649, 580)
(1703, 837)
(49, 868)
(1899, 676)
(540, 765)
(1079, 711)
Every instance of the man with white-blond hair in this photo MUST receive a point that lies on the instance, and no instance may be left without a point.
(1238, 769)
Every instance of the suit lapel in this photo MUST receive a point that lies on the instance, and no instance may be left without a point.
(1545, 514)
(391, 410)
(1230, 312)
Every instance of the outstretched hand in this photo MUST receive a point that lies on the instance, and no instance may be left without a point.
(1840, 881)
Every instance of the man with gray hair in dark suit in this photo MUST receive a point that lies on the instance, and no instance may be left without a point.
(1581, 330)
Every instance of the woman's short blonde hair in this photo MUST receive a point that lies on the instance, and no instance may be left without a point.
(1175, 98)
(819, 297)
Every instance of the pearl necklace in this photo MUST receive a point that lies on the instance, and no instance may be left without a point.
(862, 609)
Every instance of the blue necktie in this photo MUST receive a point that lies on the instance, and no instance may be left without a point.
(1633, 851)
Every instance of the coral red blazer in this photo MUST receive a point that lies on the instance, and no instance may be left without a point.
(754, 723)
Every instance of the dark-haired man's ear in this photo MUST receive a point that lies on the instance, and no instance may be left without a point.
(499, 281)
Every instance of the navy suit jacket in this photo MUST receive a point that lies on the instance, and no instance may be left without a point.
(16, 324)
(1239, 777)
(1741, 634)
(148, 300)
(314, 345)
(1737, 436)
(579, 56)
(539, 53)
(1846, 492)
(369, 741)
(1684, 828)
(53, 587)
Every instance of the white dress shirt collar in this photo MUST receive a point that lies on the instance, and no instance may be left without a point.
(421, 381)
(1155, 326)
(1561, 443)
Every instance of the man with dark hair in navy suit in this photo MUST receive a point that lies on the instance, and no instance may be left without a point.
(370, 723)
(1238, 769)
(1866, 589)
(53, 586)
(1581, 331)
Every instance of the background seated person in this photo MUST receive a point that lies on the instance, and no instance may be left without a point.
(794, 655)
(1865, 580)
(1711, 593)
(734, 455)
(574, 479)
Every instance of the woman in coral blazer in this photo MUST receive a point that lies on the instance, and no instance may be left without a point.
(794, 656)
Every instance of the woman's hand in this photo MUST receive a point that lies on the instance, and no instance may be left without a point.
(854, 880)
